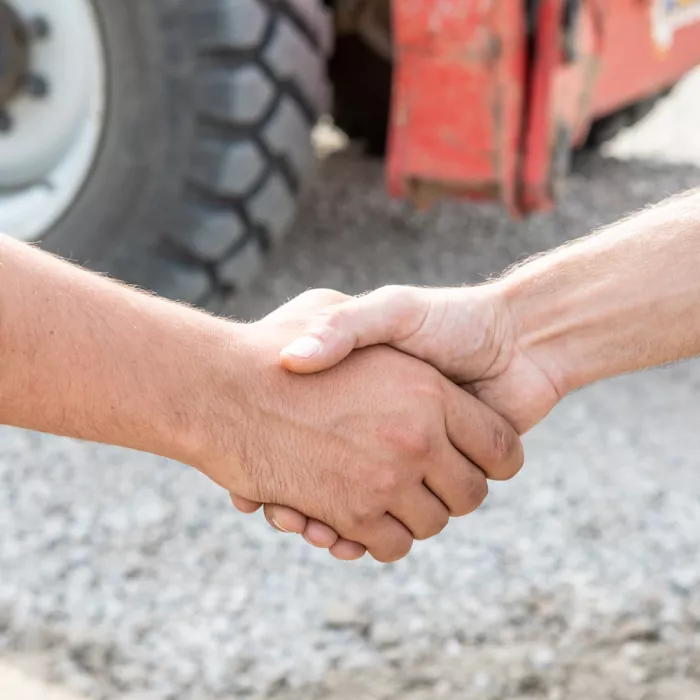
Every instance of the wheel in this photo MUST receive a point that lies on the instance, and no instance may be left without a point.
(165, 142)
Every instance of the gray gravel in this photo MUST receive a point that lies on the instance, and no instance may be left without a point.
(125, 576)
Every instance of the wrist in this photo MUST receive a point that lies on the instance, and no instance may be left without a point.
(542, 322)
(210, 415)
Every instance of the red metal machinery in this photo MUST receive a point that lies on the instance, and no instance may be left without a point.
(490, 96)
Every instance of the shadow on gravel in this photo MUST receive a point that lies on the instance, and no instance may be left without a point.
(351, 236)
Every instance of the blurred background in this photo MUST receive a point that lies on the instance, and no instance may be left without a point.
(126, 577)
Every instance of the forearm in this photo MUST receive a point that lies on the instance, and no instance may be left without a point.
(88, 358)
(623, 299)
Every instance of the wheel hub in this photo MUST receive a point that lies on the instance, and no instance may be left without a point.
(52, 109)
(14, 54)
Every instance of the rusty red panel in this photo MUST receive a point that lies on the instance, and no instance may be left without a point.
(641, 54)
(540, 133)
(474, 114)
(622, 55)
(458, 98)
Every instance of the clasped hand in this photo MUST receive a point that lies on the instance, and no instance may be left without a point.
(401, 444)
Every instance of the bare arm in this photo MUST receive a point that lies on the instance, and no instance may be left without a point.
(623, 299)
(84, 357)
(375, 448)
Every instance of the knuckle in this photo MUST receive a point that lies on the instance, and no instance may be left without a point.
(473, 496)
(419, 444)
(393, 293)
(507, 453)
(434, 527)
(414, 442)
(397, 550)
(323, 297)
(478, 493)
(360, 519)
(333, 318)
(387, 482)
(402, 300)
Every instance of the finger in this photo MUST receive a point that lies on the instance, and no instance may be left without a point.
(481, 435)
(459, 484)
(319, 534)
(384, 316)
(422, 512)
(243, 504)
(346, 550)
(285, 519)
(387, 540)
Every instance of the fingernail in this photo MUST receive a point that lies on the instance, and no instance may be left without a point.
(279, 527)
(304, 347)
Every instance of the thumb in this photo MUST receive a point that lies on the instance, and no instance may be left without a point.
(386, 316)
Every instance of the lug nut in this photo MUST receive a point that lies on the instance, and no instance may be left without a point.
(38, 28)
(36, 86)
(5, 122)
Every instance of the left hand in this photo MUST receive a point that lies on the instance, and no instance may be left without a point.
(392, 316)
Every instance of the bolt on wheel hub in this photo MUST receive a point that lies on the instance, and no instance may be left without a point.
(14, 54)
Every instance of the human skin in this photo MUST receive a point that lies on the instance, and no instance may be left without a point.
(382, 448)
(622, 299)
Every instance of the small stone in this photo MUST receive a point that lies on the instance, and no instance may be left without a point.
(442, 689)
(638, 675)
(532, 684)
(453, 647)
(632, 650)
(426, 677)
(639, 631)
(684, 580)
(482, 680)
(542, 658)
(385, 635)
(340, 615)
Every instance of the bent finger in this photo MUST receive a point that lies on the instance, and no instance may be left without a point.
(481, 435)
(319, 534)
(458, 483)
(244, 505)
(387, 539)
(285, 519)
(422, 512)
(347, 550)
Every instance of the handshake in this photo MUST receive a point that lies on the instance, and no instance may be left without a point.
(414, 399)
(362, 423)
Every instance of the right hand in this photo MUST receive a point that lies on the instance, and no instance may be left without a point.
(382, 448)
(467, 333)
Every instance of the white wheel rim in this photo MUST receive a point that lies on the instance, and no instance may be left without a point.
(48, 153)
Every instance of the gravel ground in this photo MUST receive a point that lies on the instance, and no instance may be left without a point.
(124, 576)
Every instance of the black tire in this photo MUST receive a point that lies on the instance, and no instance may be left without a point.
(207, 144)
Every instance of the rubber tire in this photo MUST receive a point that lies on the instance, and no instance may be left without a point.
(207, 144)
